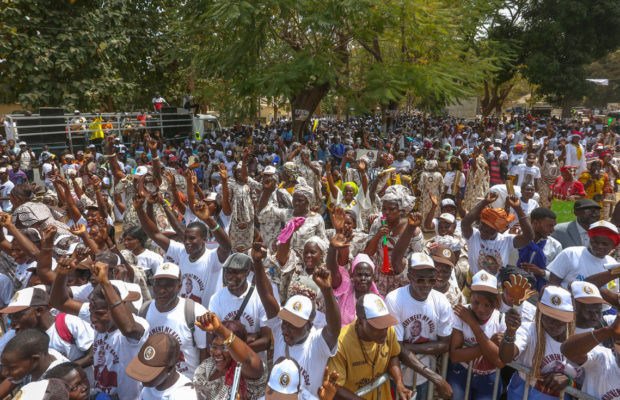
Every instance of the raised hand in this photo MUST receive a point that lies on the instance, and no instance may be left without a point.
(100, 272)
(258, 251)
(223, 171)
(78, 229)
(433, 199)
(138, 201)
(5, 220)
(151, 144)
(48, 236)
(339, 241)
(414, 219)
(322, 278)
(514, 201)
(513, 320)
(465, 314)
(67, 264)
(208, 322)
(361, 166)
(338, 217)
(190, 176)
(491, 197)
(328, 389)
(169, 177)
(201, 210)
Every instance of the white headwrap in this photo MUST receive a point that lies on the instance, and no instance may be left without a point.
(401, 196)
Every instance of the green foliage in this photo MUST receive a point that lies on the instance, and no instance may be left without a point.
(563, 37)
(86, 54)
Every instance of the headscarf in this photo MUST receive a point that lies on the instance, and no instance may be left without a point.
(320, 242)
(304, 190)
(353, 185)
(345, 293)
(399, 195)
(430, 165)
(38, 215)
(496, 218)
(290, 169)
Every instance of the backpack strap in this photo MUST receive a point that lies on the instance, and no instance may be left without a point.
(144, 309)
(61, 328)
(190, 317)
(245, 303)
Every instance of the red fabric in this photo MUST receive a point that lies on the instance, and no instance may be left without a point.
(562, 189)
(229, 377)
(605, 232)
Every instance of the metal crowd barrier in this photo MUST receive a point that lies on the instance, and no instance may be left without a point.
(377, 383)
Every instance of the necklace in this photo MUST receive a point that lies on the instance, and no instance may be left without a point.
(366, 357)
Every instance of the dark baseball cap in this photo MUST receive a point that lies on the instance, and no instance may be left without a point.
(238, 261)
(153, 357)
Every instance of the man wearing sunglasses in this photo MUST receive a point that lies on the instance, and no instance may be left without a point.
(425, 321)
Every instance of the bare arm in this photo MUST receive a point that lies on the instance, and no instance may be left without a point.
(263, 286)
(26, 245)
(527, 232)
(149, 226)
(59, 294)
(226, 201)
(577, 347)
(473, 214)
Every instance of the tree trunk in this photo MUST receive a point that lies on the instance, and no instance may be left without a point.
(308, 99)
(493, 99)
(389, 118)
(566, 107)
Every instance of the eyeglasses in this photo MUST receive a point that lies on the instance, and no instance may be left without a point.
(591, 211)
(80, 384)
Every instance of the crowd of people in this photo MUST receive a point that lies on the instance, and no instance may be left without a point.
(252, 265)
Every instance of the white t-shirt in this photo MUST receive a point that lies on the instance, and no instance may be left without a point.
(448, 181)
(5, 189)
(82, 333)
(173, 323)
(22, 274)
(149, 260)
(499, 248)
(112, 351)
(481, 365)
(311, 355)
(419, 321)
(577, 263)
(81, 293)
(401, 165)
(602, 374)
(6, 290)
(525, 174)
(202, 278)
(225, 305)
(46, 168)
(179, 391)
(552, 361)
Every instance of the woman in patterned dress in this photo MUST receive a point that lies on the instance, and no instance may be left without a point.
(549, 171)
(431, 181)
(477, 180)
(384, 234)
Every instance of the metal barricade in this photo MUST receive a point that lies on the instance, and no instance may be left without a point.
(376, 385)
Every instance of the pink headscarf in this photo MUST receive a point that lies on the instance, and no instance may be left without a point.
(345, 293)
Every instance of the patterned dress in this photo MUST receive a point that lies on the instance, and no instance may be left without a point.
(548, 173)
(477, 183)
(429, 182)
(242, 217)
(387, 283)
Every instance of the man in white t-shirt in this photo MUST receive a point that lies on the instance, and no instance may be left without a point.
(26, 358)
(400, 163)
(230, 302)
(119, 334)
(292, 326)
(425, 321)
(154, 366)
(166, 313)
(69, 335)
(5, 189)
(488, 245)
(527, 172)
(201, 268)
(601, 365)
(579, 262)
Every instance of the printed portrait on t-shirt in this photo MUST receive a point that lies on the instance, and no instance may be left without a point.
(188, 288)
(418, 328)
(490, 262)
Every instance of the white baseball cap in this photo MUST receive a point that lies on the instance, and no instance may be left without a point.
(229, 153)
(141, 170)
(167, 270)
(284, 381)
(46, 389)
(484, 282)
(447, 217)
(297, 310)
(421, 261)
(269, 170)
(448, 202)
(125, 294)
(587, 293)
(23, 144)
(605, 225)
(557, 303)
(212, 196)
(373, 309)
(26, 298)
